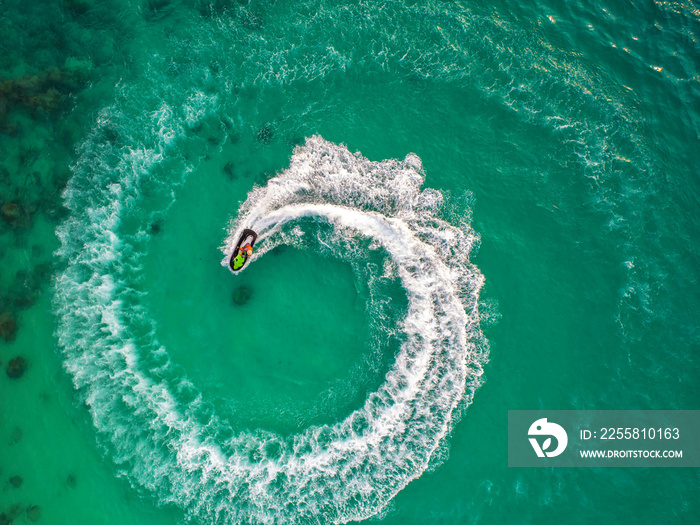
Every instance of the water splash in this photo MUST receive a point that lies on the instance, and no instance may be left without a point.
(161, 432)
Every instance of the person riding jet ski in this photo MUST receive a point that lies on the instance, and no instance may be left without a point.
(240, 258)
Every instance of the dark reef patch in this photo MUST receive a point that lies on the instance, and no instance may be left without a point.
(43, 93)
(8, 326)
(265, 134)
(279, 250)
(16, 367)
(34, 512)
(242, 295)
(156, 226)
(71, 481)
(18, 215)
(16, 481)
(230, 170)
(11, 514)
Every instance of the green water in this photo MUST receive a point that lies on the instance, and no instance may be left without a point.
(563, 139)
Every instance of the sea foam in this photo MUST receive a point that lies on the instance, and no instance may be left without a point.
(157, 427)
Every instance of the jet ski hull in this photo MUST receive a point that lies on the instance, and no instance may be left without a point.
(248, 236)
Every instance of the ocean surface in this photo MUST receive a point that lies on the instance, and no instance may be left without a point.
(463, 208)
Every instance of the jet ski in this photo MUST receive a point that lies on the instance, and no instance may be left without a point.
(241, 253)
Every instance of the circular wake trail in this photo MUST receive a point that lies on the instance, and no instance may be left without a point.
(152, 419)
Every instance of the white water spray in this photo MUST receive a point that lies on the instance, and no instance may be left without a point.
(332, 473)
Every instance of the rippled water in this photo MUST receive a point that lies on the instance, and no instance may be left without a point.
(463, 209)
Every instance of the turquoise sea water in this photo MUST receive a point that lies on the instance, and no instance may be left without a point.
(464, 208)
